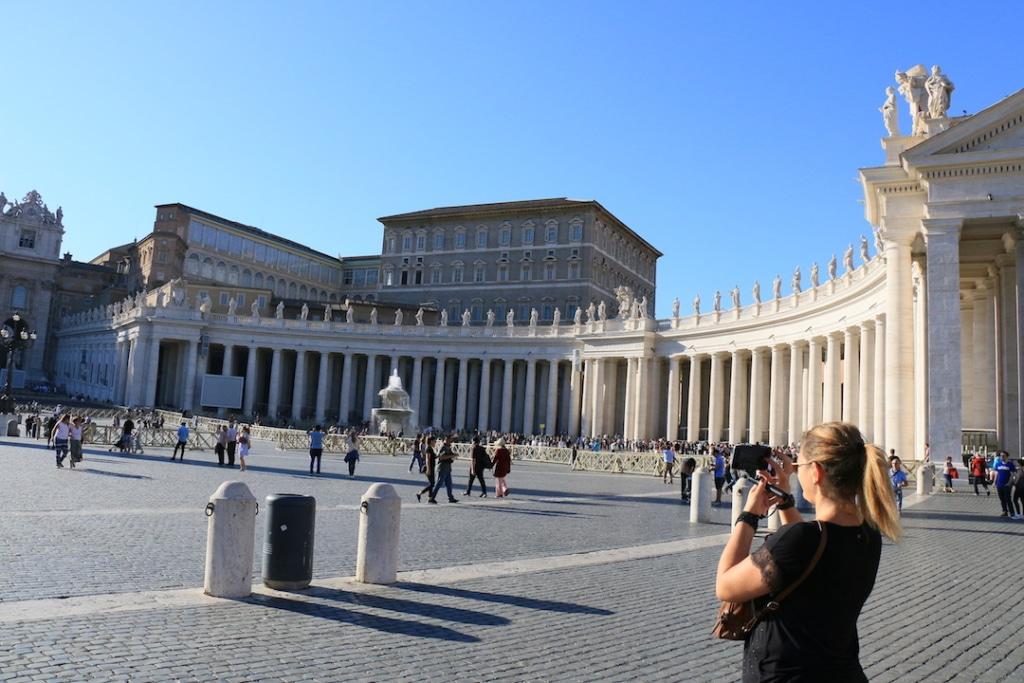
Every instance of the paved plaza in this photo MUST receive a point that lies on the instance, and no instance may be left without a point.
(577, 577)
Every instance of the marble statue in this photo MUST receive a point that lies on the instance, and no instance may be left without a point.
(675, 308)
(60, 215)
(279, 311)
(328, 313)
(419, 317)
(717, 305)
(199, 302)
(490, 317)
(777, 287)
(911, 86)
(161, 299)
(795, 283)
(735, 294)
(890, 113)
(466, 316)
(756, 292)
(624, 295)
(510, 318)
(848, 259)
(939, 88)
(879, 244)
(444, 317)
(577, 316)
(533, 317)
(254, 309)
(350, 314)
(399, 317)
(832, 267)
(602, 311)
(814, 274)
(643, 307)
(864, 249)
(696, 305)
(635, 312)
(204, 307)
(373, 315)
(556, 318)
(591, 312)
(232, 306)
(304, 312)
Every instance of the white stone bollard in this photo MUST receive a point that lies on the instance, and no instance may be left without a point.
(925, 478)
(230, 538)
(739, 491)
(701, 491)
(379, 523)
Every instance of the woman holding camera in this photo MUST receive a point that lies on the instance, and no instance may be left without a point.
(810, 633)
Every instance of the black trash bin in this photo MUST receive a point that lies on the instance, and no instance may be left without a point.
(288, 544)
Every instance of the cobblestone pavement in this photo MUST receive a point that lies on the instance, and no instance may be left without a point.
(947, 605)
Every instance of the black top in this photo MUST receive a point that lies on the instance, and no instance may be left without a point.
(813, 635)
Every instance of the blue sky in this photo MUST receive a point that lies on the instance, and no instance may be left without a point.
(727, 134)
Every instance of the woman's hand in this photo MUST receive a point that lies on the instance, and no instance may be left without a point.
(760, 499)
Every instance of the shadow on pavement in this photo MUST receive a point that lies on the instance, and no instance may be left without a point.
(420, 609)
(378, 623)
(954, 516)
(514, 600)
(521, 511)
(986, 532)
(105, 473)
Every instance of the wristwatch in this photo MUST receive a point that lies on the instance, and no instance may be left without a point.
(788, 503)
(749, 518)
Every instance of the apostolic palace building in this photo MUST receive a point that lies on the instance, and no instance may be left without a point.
(535, 316)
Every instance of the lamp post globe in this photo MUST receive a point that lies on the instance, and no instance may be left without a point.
(15, 336)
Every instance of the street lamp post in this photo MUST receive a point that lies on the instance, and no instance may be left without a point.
(15, 336)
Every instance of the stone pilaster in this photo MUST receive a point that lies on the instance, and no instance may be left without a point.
(830, 409)
(460, 397)
(737, 396)
(984, 354)
(551, 412)
(899, 346)
(716, 398)
(693, 398)
(866, 388)
(506, 396)
(484, 413)
(758, 380)
(299, 387)
(370, 388)
(672, 414)
(814, 412)
(879, 395)
(323, 387)
(345, 397)
(250, 381)
(274, 390)
(437, 414)
(191, 360)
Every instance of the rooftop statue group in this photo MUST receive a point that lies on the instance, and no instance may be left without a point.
(927, 95)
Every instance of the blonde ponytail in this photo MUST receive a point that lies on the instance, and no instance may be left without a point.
(876, 501)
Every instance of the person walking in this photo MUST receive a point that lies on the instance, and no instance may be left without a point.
(50, 423)
(232, 442)
(75, 441)
(719, 476)
(951, 474)
(444, 472)
(1018, 489)
(244, 439)
(182, 441)
(59, 436)
(478, 462)
(812, 634)
(668, 457)
(316, 447)
(979, 474)
(417, 453)
(430, 469)
(352, 456)
(1004, 469)
(898, 476)
(222, 443)
(502, 467)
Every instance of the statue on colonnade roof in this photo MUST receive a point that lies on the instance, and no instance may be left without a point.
(940, 89)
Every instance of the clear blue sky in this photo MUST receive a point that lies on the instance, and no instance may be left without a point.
(729, 135)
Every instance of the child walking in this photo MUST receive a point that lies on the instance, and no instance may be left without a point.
(243, 446)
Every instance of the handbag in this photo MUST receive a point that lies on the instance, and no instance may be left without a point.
(736, 620)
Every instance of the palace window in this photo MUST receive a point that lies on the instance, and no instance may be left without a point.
(503, 273)
(549, 271)
(438, 241)
(481, 239)
(435, 275)
(551, 232)
(27, 240)
(460, 240)
(478, 273)
(19, 298)
(457, 273)
(576, 231)
(526, 272)
(421, 242)
(505, 237)
(407, 243)
(528, 234)
(574, 271)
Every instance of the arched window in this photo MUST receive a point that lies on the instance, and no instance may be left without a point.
(19, 298)
(192, 265)
(457, 272)
(208, 268)
(257, 281)
(293, 290)
(303, 292)
(221, 273)
(233, 275)
(246, 278)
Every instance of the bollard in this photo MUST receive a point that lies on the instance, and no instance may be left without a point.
(379, 522)
(701, 490)
(739, 490)
(230, 538)
(925, 478)
(288, 544)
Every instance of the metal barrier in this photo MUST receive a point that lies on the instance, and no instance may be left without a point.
(106, 435)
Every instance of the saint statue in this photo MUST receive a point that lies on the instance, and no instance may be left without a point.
(533, 317)
(160, 299)
(757, 292)
(556, 318)
(939, 88)
(848, 259)
(199, 302)
(890, 113)
(232, 305)
(591, 311)
(832, 267)
(327, 313)
(490, 317)
(373, 315)
(795, 284)
(735, 294)
(204, 307)
(717, 304)
(419, 317)
(696, 305)
(912, 87)
(864, 249)
(675, 308)
(254, 309)
(510, 317)
(279, 312)
(814, 274)
(444, 317)
(399, 316)
(879, 244)
(777, 287)
(602, 311)
(304, 313)
(466, 317)
(577, 316)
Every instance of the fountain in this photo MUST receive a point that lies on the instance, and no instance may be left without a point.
(394, 416)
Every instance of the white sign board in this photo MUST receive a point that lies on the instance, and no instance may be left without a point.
(222, 391)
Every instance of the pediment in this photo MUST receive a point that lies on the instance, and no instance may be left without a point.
(993, 132)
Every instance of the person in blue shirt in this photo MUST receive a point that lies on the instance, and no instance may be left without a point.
(719, 476)
(316, 447)
(899, 480)
(182, 441)
(669, 458)
(1004, 468)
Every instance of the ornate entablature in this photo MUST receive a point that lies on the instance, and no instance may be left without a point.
(31, 209)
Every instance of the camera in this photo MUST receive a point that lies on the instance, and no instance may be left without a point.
(749, 458)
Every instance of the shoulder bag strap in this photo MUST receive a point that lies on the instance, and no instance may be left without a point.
(774, 604)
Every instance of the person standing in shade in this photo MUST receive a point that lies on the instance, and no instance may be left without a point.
(221, 446)
(1018, 489)
(244, 439)
(719, 476)
(444, 472)
(60, 435)
(431, 464)
(182, 440)
(316, 447)
(478, 462)
(232, 437)
(502, 467)
(1004, 469)
(668, 456)
(898, 476)
(979, 474)
(75, 441)
(417, 453)
(352, 456)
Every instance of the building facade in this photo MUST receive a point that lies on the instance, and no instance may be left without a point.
(916, 337)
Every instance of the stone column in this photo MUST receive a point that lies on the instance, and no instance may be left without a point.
(438, 412)
(460, 398)
(943, 286)
(878, 397)
(851, 374)
(796, 400)
(693, 400)
(629, 405)
(776, 391)
(250, 381)
(830, 410)
(641, 404)
(506, 396)
(672, 416)
(586, 418)
(299, 389)
(191, 360)
(597, 398)
(551, 413)
(345, 399)
(919, 277)
(716, 398)
(899, 351)
(153, 368)
(120, 372)
(370, 388)
(229, 355)
(484, 414)
(529, 397)
(414, 387)
(574, 398)
(737, 396)
(866, 387)
(1018, 244)
(967, 374)
(323, 385)
(274, 391)
(984, 353)
(814, 412)
(755, 426)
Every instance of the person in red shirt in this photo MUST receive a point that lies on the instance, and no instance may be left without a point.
(979, 473)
